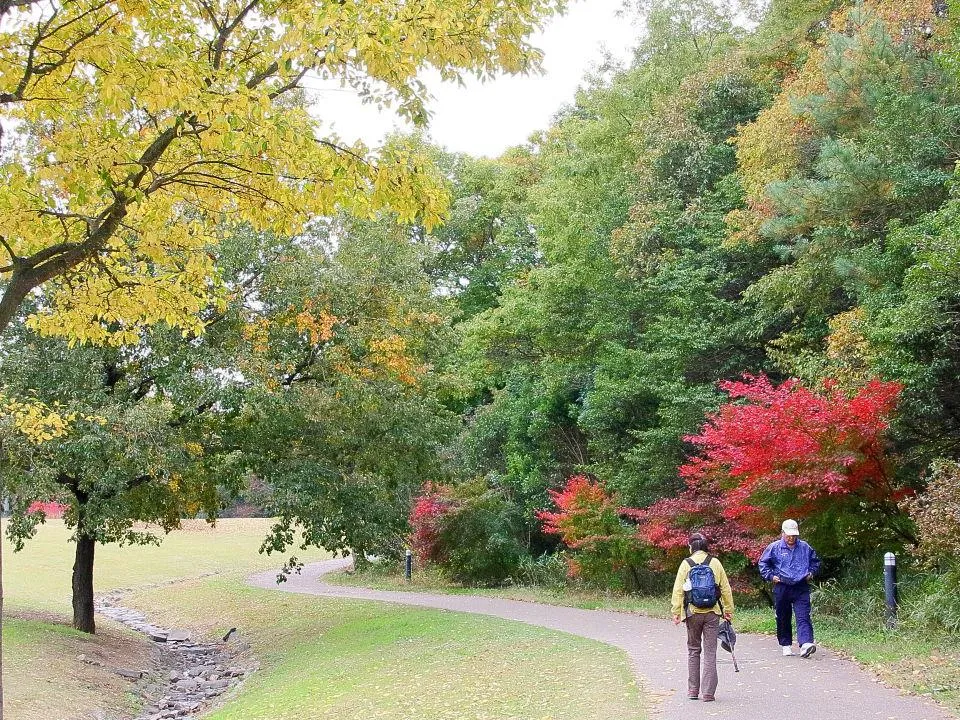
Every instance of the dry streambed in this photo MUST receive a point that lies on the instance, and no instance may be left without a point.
(187, 677)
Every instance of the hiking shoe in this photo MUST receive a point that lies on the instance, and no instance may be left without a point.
(693, 697)
(708, 698)
(807, 649)
(786, 650)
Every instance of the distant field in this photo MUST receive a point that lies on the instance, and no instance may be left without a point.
(38, 578)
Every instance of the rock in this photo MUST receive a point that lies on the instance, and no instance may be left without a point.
(216, 684)
(195, 672)
(187, 684)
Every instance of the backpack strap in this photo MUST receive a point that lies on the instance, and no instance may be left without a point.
(686, 593)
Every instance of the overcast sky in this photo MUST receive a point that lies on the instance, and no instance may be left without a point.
(486, 118)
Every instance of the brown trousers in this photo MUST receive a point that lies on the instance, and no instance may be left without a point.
(702, 639)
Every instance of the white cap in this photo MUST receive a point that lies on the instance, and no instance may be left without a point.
(790, 527)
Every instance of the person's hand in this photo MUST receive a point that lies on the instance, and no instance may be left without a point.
(809, 576)
(728, 616)
(676, 619)
(776, 579)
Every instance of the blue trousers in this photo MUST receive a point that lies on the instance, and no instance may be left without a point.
(787, 601)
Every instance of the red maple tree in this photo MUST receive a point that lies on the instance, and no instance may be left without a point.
(776, 451)
(586, 518)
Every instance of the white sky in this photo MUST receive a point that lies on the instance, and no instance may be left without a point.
(486, 118)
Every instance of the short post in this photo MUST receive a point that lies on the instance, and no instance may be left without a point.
(408, 570)
(890, 588)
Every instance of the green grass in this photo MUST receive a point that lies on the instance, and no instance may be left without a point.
(321, 658)
(38, 577)
(43, 678)
(911, 661)
(326, 658)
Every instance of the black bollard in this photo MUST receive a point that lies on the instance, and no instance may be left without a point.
(890, 588)
(408, 571)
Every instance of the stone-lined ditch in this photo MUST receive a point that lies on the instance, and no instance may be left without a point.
(187, 677)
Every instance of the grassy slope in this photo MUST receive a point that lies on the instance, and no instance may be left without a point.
(910, 662)
(325, 658)
(45, 680)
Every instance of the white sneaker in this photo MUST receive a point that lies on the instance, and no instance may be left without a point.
(807, 649)
(787, 650)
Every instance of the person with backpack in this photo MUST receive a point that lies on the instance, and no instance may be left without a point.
(701, 596)
(790, 563)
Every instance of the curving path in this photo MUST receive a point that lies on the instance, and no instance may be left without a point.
(823, 687)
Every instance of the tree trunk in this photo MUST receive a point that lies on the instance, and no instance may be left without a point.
(83, 585)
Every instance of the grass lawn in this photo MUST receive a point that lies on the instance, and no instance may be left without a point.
(43, 678)
(328, 658)
(320, 657)
(907, 661)
(38, 578)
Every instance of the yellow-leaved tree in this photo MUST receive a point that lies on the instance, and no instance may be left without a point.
(128, 127)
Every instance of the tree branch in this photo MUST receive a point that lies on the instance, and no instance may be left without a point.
(227, 30)
(15, 259)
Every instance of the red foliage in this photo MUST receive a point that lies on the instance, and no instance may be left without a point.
(587, 520)
(428, 511)
(782, 451)
(667, 525)
(50, 509)
(584, 512)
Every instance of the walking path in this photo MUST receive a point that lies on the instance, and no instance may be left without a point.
(823, 687)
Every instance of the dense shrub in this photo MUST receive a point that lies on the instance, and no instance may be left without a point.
(480, 534)
(777, 451)
(431, 506)
(471, 531)
(936, 511)
(548, 570)
(602, 549)
(930, 604)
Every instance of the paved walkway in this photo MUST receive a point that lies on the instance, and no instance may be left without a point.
(768, 687)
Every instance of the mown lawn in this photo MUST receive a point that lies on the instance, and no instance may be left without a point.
(327, 658)
(321, 658)
(909, 661)
(38, 578)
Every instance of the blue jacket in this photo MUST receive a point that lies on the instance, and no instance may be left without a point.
(791, 566)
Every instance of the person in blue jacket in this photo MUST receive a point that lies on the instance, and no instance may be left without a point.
(790, 563)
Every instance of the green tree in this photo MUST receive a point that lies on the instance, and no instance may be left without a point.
(341, 417)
